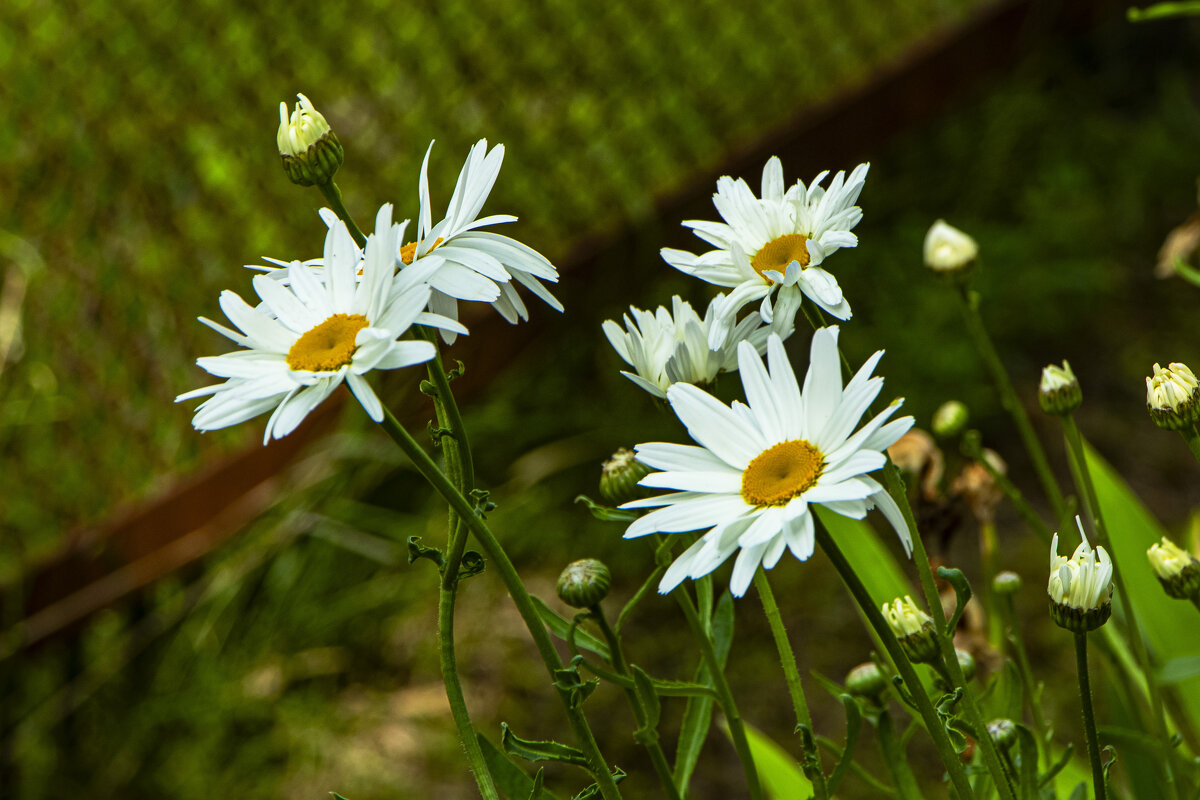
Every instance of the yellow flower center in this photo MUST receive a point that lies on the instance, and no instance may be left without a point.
(782, 472)
(409, 251)
(779, 252)
(329, 346)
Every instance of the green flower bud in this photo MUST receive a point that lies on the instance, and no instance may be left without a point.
(866, 680)
(1058, 392)
(913, 628)
(1173, 396)
(1006, 583)
(619, 478)
(950, 419)
(309, 148)
(584, 583)
(1003, 732)
(966, 663)
(1176, 569)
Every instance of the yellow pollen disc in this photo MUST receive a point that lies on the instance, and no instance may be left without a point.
(409, 251)
(329, 346)
(779, 252)
(782, 472)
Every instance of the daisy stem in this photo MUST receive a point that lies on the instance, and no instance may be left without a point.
(516, 590)
(1089, 716)
(787, 659)
(1010, 401)
(648, 737)
(1091, 509)
(1032, 689)
(936, 728)
(991, 758)
(737, 730)
(1193, 440)
(334, 197)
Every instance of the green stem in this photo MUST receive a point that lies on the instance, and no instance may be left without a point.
(1193, 440)
(1033, 693)
(1010, 401)
(516, 590)
(991, 758)
(787, 659)
(737, 730)
(1089, 716)
(650, 737)
(866, 777)
(1091, 509)
(333, 195)
(458, 703)
(950, 759)
(896, 759)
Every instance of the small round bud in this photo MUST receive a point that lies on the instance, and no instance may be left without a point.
(950, 419)
(913, 628)
(866, 680)
(1173, 396)
(619, 478)
(1176, 569)
(1080, 587)
(949, 252)
(966, 663)
(309, 148)
(1003, 732)
(584, 583)
(1006, 583)
(1058, 392)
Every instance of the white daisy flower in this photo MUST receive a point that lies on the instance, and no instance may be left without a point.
(321, 326)
(1083, 581)
(472, 264)
(777, 243)
(760, 466)
(665, 348)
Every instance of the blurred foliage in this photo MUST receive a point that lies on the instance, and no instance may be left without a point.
(299, 659)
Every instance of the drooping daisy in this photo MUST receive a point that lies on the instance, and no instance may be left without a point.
(473, 264)
(777, 243)
(759, 467)
(667, 347)
(321, 326)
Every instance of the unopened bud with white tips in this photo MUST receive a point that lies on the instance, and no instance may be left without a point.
(949, 251)
(1173, 396)
(1058, 391)
(309, 148)
(1080, 587)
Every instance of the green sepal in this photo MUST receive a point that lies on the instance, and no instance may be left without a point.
(606, 513)
(561, 627)
(532, 750)
(643, 684)
(472, 564)
(810, 758)
(853, 727)
(457, 372)
(618, 775)
(417, 550)
(962, 593)
(568, 681)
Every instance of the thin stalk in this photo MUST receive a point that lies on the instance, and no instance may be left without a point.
(896, 759)
(950, 759)
(1089, 716)
(1032, 693)
(334, 196)
(1091, 509)
(737, 730)
(650, 741)
(972, 448)
(1010, 401)
(987, 555)
(787, 659)
(516, 590)
(991, 758)
(1193, 440)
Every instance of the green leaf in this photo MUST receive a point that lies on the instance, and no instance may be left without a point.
(510, 779)
(1027, 750)
(697, 715)
(1179, 669)
(645, 689)
(416, 550)
(561, 626)
(853, 726)
(606, 513)
(872, 561)
(781, 774)
(594, 790)
(533, 750)
(896, 759)
(962, 593)
(569, 680)
(538, 780)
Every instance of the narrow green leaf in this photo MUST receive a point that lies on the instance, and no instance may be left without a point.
(896, 759)
(781, 774)
(697, 715)
(1179, 669)
(871, 559)
(1027, 750)
(594, 790)
(606, 513)
(1080, 792)
(962, 593)
(510, 779)
(853, 726)
(645, 689)
(560, 626)
(533, 750)
(538, 780)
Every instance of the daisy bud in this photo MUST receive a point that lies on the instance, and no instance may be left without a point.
(584, 583)
(914, 628)
(1006, 583)
(866, 681)
(1003, 732)
(1173, 396)
(1059, 392)
(1080, 587)
(1177, 570)
(310, 150)
(619, 478)
(949, 252)
(950, 419)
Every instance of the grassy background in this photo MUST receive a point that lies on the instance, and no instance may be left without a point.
(298, 659)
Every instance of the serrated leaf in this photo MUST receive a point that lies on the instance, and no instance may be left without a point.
(560, 626)
(781, 775)
(510, 779)
(962, 593)
(535, 750)
(644, 686)
(697, 715)
(606, 513)
(853, 726)
(594, 790)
